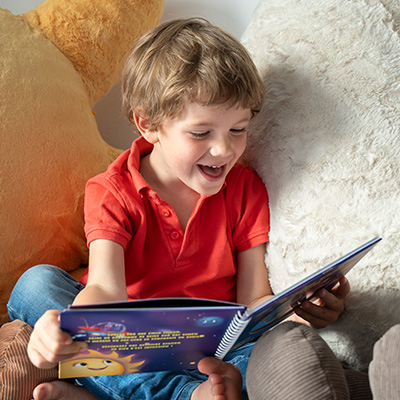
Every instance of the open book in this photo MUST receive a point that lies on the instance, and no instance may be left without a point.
(175, 333)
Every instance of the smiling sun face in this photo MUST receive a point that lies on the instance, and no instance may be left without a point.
(94, 363)
(91, 366)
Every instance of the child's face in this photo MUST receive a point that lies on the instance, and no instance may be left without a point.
(200, 146)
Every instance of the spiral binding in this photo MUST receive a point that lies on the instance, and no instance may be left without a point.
(235, 329)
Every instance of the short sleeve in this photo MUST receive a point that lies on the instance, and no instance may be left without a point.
(247, 199)
(105, 214)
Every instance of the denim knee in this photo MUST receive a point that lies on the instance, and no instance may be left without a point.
(39, 289)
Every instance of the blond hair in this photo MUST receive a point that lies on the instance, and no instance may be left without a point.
(188, 60)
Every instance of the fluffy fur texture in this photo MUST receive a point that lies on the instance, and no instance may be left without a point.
(56, 62)
(327, 145)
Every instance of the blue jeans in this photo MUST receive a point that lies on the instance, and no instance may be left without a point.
(45, 287)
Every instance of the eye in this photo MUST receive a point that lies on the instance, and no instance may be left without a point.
(199, 135)
(80, 364)
(107, 362)
(238, 131)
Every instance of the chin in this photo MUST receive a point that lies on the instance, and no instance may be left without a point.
(210, 192)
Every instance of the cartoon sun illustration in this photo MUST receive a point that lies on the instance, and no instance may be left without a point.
(95, 363)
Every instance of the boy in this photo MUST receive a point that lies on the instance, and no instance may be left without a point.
(175, 215)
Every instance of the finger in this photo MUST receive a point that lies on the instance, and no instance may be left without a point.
(318, 317)
(48, 330)
(331, 301)
(343, 289)
(325, 307)
(54, 351)
(43, 357)
(48, 326)
(38, 360)
(310, 320)
(48, 344)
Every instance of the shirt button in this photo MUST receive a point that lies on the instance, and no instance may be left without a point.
(175, 235)
(166, 213)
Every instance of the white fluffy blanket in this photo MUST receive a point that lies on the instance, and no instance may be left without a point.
(327, 145)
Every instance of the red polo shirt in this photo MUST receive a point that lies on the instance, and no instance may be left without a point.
(160, 259)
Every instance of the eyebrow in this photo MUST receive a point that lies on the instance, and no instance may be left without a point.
(246, 119)
(201, 123)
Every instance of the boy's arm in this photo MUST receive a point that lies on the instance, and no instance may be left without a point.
(106, 280)
(252, 279)
(48, 344)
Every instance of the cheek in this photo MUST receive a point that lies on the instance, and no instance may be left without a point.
(190, 153)
(241, 145)
(116, 369)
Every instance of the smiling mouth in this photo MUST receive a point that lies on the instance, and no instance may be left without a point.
(97, 369)
(213, 171)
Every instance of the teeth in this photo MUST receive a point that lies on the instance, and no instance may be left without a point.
(212, 170)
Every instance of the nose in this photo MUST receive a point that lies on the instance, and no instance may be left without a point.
(221, 147)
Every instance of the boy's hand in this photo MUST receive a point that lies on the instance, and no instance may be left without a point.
(326, 306)
(48, 344)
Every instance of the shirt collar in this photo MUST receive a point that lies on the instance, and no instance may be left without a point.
(140, 147)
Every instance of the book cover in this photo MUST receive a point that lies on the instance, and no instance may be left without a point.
(171, 334)
(145, 335)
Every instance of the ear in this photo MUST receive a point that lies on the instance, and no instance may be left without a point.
(142, 123)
